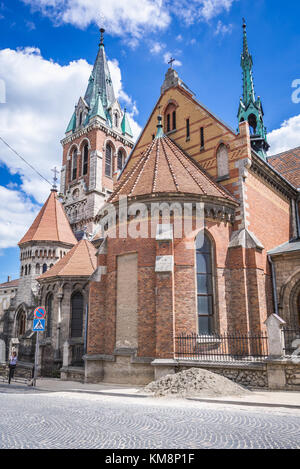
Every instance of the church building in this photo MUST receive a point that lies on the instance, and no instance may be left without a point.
(194, 229)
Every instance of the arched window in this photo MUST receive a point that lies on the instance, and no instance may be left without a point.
(170, 117)
(85, 159)
(120, 161)
(37, 269)
(21, 323)
(252, 123)
(76, 315)
(49, 309)
(108, 160)
(222, 161)
(44, 268)
(116, 119)
(25, 269)
(205, 290)
(74, 165)
(80, 118)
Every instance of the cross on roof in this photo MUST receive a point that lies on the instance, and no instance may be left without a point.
(171, 62)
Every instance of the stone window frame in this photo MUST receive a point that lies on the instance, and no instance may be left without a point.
(221, 176)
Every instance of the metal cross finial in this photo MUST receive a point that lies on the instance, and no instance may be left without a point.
(55, 171)
(102, 31)
(171, 62)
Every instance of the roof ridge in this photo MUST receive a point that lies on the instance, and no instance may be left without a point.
(170, 167)
(187, 169)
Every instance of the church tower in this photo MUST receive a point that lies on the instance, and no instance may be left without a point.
(97, 142)
(250, 108)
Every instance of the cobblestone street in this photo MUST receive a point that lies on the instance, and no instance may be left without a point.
(33, 419)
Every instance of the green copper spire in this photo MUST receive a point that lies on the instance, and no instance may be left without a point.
(250, 108)
(72, 123)
(98, 109)
(100, 80)
(125, 125)
(159, 132)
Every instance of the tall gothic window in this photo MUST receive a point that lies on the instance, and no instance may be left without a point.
(44, 269)
(21, 323)
(222, 161)
(205, 291)
(85, 159)
(120, 159)
(108, 161)
(49, 309)
(76, 315)
(74, 165)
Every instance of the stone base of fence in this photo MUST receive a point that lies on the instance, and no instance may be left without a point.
(272, 374)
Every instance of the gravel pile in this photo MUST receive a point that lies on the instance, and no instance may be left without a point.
(194, 382)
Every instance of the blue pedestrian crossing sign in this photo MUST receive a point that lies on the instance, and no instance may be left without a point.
(39, 324)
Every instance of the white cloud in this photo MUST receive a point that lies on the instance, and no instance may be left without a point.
(157, 47)
(131, 17)
(17, 212)
(167, 57)
(286, 137)
(223, 29)
(193, 11)
(117, 16)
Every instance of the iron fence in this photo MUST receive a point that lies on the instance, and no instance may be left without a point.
(77, 354)
(227, 347)
(290, 334)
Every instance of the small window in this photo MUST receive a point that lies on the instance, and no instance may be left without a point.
(74, 168)
(85, 159)
(174, 120)
(168, 123)
(80, 118)
(188, 128)
(44, 268)
(49, 308)
(201, 137)
(120, 161)
(108, 161)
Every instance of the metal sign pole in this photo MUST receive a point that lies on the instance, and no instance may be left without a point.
(36, 359)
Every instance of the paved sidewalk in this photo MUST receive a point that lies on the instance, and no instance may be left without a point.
(255, 398)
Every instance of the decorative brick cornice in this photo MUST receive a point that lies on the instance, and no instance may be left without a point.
(96, 124)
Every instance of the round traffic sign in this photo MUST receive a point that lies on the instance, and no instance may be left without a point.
(39, 312)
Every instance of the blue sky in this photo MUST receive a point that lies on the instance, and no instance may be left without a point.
(45, 57)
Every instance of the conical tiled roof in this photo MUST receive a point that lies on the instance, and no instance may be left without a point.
(165, 168)
(51, 224)
(80, 261)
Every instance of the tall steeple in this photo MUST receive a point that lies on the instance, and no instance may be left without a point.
(250, 108)
(100, 80)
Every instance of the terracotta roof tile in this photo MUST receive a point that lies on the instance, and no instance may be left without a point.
(164, 168)
(51, 224)
(80, 261)
(10, 284)
(288, 165)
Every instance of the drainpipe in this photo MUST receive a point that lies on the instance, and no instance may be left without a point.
(86, 327)
(274, 284)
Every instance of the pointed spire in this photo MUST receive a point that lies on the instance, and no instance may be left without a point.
(250, 108)
(72, 123)
(98, 108)
(159, 132)
(246, 64)
(100, 80)
(125, 125)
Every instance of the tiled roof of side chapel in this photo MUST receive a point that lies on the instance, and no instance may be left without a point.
(164, 168)
(79, 261)
(51, 224)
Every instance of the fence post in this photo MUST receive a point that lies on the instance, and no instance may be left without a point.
(274, 325)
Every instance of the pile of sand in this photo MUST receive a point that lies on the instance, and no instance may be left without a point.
(194, 382)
